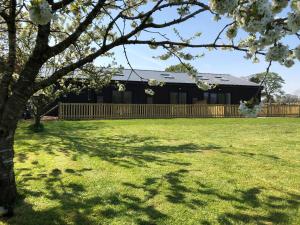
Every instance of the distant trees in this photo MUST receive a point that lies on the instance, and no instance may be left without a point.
(192, 71)
(272, 83)
(182, 68)
(288, 98)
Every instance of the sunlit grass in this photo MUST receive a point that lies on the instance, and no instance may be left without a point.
(179, 171)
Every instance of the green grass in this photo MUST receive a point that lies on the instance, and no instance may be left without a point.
(179, 171)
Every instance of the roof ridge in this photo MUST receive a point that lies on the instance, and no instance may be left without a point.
(216, 73)
(162, 71)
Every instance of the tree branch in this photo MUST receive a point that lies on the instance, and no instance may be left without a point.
(221, 32)
(67, 69)
(60, 47)
(182, 44)
(60, 4)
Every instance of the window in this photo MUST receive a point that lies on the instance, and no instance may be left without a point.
(127, 97)
(100, 99)
(206, 97)
(195, 100)
(178, 97)
(119, 75)
(217, 98)
(149, 100)
(89, 94)
(121, 97)
(182, 97)
(174, 98)
(228, 98)
(168, 76)
(116, 96)
(221, 98)
(213, 98)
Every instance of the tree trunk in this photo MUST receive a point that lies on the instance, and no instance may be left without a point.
(37, 120)
(8, 190)
(9, 118)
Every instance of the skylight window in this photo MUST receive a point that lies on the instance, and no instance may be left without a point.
(166, 75)
(119, 75)
(218, 77)
(224, 79)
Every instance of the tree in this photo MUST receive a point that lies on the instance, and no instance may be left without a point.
(272, 83)
(288, 98)
(181, 68)
(69, 35)
(41, 101)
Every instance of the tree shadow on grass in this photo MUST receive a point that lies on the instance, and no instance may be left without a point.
(62, 201)
(69, 203)
(248, 205)
(176, 191)
(122, 150)
(251, 155)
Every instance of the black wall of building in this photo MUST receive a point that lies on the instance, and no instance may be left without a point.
(162, 94)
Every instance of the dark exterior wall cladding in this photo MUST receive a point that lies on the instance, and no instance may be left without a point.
(86, 96)
(239, 93)
(162, 94)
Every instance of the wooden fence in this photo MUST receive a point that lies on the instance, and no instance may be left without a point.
(76, 111)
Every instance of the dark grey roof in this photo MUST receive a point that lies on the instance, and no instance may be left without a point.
(183, 78)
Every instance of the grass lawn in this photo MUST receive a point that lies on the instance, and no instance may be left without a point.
(179, 171)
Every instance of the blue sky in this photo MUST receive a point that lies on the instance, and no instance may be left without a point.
(217, 61)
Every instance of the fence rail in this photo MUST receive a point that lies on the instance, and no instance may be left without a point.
(77, 111)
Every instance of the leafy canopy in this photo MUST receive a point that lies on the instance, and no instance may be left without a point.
(182, 68)
(272, 83)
